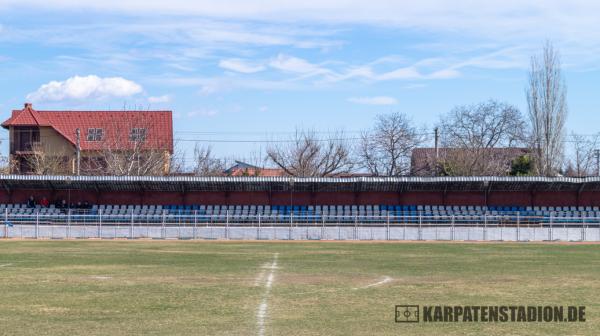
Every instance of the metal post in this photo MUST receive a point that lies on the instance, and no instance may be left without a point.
(273, 227)
(519, 228)
(551, 229)
(502, 232)
(131, 228)
(468, 231)
(100, 224)
(163, 230)
(485, 228)
(355, 228)
(306, 226)
(78, 150)
(290, 228)
(583, 228)
(179, 227)
(195, 223)
(420, 227)
(258, 233)
(388, 227)
(453, 228)
(227, 224)
(6, 223)
(69, 229)
(37, 224)
(323, 227)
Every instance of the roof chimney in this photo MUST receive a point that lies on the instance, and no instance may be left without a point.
(28, 106)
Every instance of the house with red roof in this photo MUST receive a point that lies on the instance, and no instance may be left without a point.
(90, 142)
(245, 169)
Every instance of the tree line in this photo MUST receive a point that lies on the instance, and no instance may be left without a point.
(470, 137)
(470, 140)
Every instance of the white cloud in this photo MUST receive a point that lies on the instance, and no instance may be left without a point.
(444, 74)
(489, 17)
(87, 87)
(159, 99)
(401, 73)
(571, 24)
(377, 100)
(238, 65)
(202, 113)
(296, 65)
(213, 85)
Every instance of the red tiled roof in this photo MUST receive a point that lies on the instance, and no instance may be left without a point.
(115, 124)
(26, 117)
(246, 169)
(257, 172)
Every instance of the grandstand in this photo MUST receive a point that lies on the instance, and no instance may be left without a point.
(304, 214)
(361, 203)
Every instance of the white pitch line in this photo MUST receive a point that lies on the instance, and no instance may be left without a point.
(383, 281)
(261, 313)
(3, 265)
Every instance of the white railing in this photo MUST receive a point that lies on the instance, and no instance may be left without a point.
(509, 226)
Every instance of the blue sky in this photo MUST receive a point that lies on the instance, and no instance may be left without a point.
(250, 70)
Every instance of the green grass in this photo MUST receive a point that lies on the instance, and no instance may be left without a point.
(208, 288)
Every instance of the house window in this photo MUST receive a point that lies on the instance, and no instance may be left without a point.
(95, 134)
(25, 139)
(137, 134)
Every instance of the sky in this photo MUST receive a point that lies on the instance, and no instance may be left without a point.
(239, 73)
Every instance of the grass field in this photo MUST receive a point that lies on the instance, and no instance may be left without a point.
(317, 288)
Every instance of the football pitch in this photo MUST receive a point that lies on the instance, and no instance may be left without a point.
(286, 288)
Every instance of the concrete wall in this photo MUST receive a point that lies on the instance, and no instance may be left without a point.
(360, 232)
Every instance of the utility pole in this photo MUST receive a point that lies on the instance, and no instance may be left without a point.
(597, 155)
(437, 139)
(437, 149)
(78, 152)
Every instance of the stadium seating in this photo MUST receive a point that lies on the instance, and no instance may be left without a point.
(300, 213)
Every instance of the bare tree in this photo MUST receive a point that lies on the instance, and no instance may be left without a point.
(476, 135)
(43, 161)
(546, 97)
(386, 149)
(177, 164)
(205, 164)
(305, 155)
(583, 159)
(256, 160)
(5, 164)
(130, 147)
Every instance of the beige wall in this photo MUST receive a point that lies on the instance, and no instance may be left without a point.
(55, 144)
